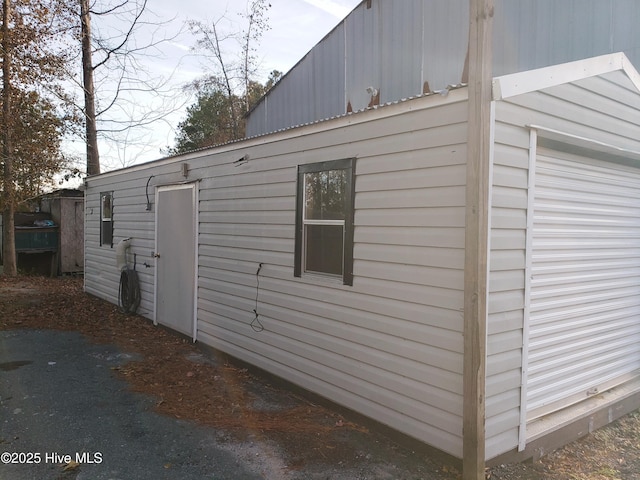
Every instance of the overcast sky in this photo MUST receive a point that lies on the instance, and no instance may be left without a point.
(295, 27)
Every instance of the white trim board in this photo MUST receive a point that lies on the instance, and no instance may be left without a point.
(530, 81)
(619, 154)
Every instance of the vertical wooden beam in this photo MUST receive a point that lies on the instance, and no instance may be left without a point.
(477, 237)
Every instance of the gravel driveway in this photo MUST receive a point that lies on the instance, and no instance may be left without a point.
(89, 393)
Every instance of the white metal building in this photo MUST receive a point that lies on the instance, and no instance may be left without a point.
(236, 247)
(385, 50)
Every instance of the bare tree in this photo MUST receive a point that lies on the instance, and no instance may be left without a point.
(91, 129)
(257, 24)
(234, 76)
(116, 54)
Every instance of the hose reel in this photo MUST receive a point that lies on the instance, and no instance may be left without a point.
(129, 287)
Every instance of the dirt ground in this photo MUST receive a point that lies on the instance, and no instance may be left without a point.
(196, 385)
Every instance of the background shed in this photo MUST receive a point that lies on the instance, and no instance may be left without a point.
(66, 208)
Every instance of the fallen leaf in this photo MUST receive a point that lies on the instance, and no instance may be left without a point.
(71, 466)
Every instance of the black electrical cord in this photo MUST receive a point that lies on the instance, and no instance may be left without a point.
(255, 324)
(146, 191)
(129, 290)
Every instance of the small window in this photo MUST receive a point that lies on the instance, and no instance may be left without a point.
(106, 219)
(324, 220)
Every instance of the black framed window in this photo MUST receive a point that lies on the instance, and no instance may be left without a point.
(324, 219)
(106, 218)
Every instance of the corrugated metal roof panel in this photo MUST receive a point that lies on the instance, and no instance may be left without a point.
(329, 82)
(362, 55)
(446, 26)
(400, 40)
(394, 47)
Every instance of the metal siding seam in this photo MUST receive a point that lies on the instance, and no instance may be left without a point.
(84, 236)
(155, 259)
(611, 28)
(422, 52)
(492, 140)
(533, 145)
(196, 234)
(344, 56)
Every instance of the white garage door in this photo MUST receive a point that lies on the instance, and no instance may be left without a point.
(584, 325)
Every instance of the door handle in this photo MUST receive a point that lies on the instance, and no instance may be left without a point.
(155, 255)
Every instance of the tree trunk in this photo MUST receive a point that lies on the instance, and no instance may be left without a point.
(93, 157)
(9, 239)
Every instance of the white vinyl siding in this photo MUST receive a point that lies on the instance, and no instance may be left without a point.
(584, 333)
(506, 285)
(603, 108)
(390, 346)
(131, 219)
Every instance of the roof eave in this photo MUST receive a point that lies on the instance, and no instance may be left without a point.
(532, 80)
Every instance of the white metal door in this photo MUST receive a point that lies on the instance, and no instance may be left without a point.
(584, 324)
(176, 257)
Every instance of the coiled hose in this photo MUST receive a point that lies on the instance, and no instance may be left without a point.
(129, 291)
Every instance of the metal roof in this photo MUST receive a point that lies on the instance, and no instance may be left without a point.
(387, 50)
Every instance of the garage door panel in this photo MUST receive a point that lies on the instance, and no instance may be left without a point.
(572, 283)
(566, 299)
(588, 276)
(576, 206)
(594, 238)
(549, 194)
(584, 316)
(565, 172)
(594, 316)
(572, 375)
(592, 265)
(567, 386)
(589, 348)
(567, 258)
(608, 221)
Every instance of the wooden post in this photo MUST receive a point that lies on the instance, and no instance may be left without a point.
(476, 237)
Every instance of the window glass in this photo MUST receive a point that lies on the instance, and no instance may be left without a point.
(324, 247)
(324, 219)
(106, 219)
(325, 195)
(106, 206)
